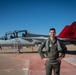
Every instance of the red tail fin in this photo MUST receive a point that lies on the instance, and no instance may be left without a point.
(68, 31)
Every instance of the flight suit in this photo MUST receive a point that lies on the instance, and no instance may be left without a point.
(52, 54)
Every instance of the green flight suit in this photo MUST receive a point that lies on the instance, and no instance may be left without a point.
(52, 54)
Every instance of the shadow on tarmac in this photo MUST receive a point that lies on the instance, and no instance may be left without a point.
(18, 53)
(72, 52)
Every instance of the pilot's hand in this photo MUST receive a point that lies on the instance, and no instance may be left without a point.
(59, 60)
(46, 59)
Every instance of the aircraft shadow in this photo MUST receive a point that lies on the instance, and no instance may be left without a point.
(71, 52)
(18, 53)
(6, 52)
(30, 52)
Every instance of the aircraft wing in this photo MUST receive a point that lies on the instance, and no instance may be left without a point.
(68, 41)
(36, 40)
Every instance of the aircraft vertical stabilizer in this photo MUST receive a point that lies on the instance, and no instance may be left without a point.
(68, 31)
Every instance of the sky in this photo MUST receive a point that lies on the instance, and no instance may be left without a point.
(36, 16)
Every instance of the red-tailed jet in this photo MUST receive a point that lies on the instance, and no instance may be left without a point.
(24, 38)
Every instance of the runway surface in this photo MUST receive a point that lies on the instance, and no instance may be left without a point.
(28, 62)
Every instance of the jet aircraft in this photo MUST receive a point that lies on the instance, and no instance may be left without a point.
(23, 38)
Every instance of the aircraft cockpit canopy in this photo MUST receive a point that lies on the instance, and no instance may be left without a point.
(9, 35)
(21, 33)
(15, 34)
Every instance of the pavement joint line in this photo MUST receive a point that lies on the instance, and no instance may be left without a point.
(28, 68)
(70, 60)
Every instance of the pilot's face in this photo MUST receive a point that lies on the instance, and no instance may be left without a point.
(52, 33)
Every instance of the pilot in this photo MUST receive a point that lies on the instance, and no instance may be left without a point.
(5, 37)
(11, 37)
(55, 51)
(23, 35)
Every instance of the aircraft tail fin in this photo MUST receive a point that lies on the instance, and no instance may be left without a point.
(68, 31)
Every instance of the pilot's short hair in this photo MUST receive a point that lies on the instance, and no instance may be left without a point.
(52, 29)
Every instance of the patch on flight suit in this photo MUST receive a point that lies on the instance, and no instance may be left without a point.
(50, 45)
(55, 44)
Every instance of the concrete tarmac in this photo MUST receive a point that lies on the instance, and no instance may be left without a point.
(29, 62)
